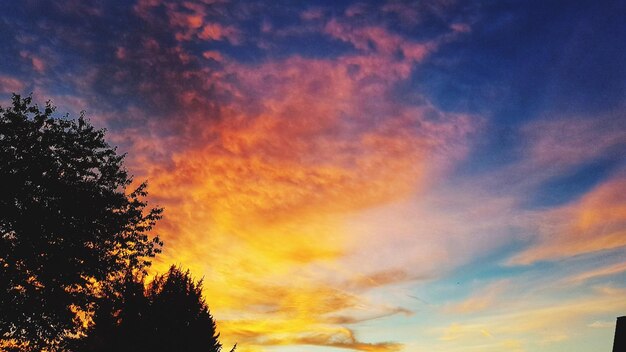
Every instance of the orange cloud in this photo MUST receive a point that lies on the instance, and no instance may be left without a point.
(261, 165)
(380, 278)
(594, 223)
(340, 338)
(262, 200)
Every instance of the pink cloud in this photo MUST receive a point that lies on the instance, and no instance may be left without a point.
(213, 55)
(120, 53)
(380, 41)
(190, 20)
(461, 27)
(214, 31)
(356, 9)
(552, 146)
(10, 84)
(559, 143)
(37, 62)
(312, 14)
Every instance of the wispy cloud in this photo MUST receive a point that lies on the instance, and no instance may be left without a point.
(594, 223)
(609, 270)
(550, 323)
(10, 85)
(482, 300)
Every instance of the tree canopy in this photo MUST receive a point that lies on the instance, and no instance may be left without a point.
(69, 223)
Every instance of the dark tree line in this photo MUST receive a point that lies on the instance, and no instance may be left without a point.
(75, 243)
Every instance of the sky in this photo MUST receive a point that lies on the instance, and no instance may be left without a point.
(432, 175)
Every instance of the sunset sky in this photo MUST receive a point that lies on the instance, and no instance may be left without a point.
(430, 175)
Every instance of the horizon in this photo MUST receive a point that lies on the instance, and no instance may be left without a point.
(371, 176)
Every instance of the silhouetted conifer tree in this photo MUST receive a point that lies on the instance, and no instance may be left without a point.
(170, 315)
(120, 321)
(67, 223)
(179, 314)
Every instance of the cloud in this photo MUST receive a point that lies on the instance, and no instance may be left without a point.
(537, 324)
(192, 20)
(313, 183)
(545, 151)
(558, 143)
(604, 300)
(408, 13)
(342, 338)
(381, 278)
(349, 342)
(602, 324)
(432, 232)
(461, 27)
(553, 146)
(216, 31)
(37, 62)
(312, 14)
(261, 164)
(486, 298)
(413, 13)
(359, 318)
(10, 84)
(379, 40)
(594, 223)
(259, 178)
(213, 55)
(605, 271)
(307, 148)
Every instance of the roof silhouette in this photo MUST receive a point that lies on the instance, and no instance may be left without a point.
(619, 343)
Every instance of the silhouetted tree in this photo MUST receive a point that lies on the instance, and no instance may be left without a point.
(67, 223)
(120, 321)
(180, 316)
(170, 315)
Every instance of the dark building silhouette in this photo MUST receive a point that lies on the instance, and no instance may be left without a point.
(619, 343)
